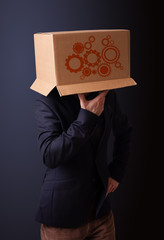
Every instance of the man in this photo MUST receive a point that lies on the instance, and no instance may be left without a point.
(73, 138)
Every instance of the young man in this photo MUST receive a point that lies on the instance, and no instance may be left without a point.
(73, 138)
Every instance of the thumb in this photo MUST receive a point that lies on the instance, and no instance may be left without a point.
(82, 98)
(103, 93)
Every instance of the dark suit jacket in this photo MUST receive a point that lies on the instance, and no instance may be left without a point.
(74, 167)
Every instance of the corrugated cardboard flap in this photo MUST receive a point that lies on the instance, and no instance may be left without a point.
(95, 86)
(42, 86)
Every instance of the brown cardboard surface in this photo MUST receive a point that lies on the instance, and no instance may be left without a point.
(96, 86)
(82, 61)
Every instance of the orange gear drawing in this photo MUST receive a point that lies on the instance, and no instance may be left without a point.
(118, 65)
(104, 69)
(79, 63)
(86, 71)
(78, 47)
(88, 45)
(94, 71)
(92, 38)
(110, 54)
(105, 41)
(96, 60)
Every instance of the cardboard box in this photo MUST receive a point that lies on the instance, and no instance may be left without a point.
(82, 61)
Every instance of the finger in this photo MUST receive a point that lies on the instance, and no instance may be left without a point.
(81, 97)
(103, 93)
(106, 194)
(109, 190)
(113, 189)
(110, 187)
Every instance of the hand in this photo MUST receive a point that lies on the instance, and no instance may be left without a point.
(112, 185)
(95, 105)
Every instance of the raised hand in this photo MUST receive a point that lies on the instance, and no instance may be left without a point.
(95, 105)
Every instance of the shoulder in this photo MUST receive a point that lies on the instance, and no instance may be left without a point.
(52, 97)
(46, 104)
(54, 101)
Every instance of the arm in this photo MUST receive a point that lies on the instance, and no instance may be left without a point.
(122, 134)
(58, 146)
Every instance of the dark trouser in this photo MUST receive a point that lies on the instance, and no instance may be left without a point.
(102, 228)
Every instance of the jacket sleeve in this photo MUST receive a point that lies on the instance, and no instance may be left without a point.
(57, 146)
(122, 136)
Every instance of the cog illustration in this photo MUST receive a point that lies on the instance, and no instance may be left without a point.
(92, 58)
(86, 71)
(78, 47)
(88, 60)
(88, 45)
(104, 69)
(105, 41)
(92, 38)
(110, 54)
(94, 71)
(74, 63)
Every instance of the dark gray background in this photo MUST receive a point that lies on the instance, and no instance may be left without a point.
(21, 169)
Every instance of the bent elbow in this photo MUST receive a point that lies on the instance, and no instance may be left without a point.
(49, 159)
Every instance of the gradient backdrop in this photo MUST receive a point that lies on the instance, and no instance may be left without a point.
(21, 169)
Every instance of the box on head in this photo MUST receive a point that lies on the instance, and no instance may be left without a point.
(82, 61)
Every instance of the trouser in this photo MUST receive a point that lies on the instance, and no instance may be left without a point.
(98, 229)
